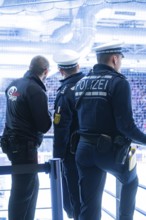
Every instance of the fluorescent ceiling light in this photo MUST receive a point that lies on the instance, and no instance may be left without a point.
(129, 37)
(116, 12)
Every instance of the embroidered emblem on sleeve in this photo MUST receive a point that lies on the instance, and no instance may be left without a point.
(13, 93)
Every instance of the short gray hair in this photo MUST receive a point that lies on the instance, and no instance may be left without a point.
(38, 65)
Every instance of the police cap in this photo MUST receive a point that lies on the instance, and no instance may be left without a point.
(110, 48)
(66, 59)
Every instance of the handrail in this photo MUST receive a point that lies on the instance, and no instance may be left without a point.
(142, 186)
(140, 211)
(117, 197)
(25, 168)
(109, 213)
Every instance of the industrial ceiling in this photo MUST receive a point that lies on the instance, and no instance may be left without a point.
(32, 27)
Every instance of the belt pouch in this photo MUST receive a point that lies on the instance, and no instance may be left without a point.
(104, 143)
(122, 148)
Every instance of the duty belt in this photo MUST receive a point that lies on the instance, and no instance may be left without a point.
(93, 139)
(102, 142)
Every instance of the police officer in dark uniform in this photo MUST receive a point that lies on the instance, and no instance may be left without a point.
(27, 118)
(106, 128)
(65, 125)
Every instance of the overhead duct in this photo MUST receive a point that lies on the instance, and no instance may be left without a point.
(35, 4)
(1, 2)
(82, 29)
(81, 39)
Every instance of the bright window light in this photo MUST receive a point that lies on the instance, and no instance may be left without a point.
(67, 37)
(22, 21)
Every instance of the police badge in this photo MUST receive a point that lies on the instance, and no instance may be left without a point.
(57, 118)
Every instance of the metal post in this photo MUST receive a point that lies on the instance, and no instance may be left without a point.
(56, 189)
(118, 195)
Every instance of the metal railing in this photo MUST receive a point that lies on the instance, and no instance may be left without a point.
(53, 168)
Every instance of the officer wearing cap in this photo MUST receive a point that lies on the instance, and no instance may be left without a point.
(65, 125)
(107, 128)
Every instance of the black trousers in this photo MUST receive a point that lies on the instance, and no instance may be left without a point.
(24, 189)
(23, 197)
(92, 169)
(67, 205)
(71, 197)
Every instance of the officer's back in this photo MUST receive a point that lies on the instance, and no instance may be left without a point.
(65, 126)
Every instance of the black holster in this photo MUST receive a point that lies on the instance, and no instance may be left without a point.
(102, 142)
(122, 148)
(4, 144)
(18, 148)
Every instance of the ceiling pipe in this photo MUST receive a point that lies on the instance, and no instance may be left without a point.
(83, 30)
(86, 31)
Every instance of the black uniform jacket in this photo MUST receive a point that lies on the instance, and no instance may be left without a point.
(27, 112)
(104, 105)
(65, 116)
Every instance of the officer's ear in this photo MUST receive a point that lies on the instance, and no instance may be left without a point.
(115, 59)
(78, 67)
(62, 71)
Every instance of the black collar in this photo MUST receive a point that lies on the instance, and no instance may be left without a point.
(72, 78)
(34, 77)
(102, 67)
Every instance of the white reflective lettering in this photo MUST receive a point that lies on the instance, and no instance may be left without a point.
(108, 76)
(93, 84)
(105, 86)
(78, 93)
(101, 84)
(96, 94)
